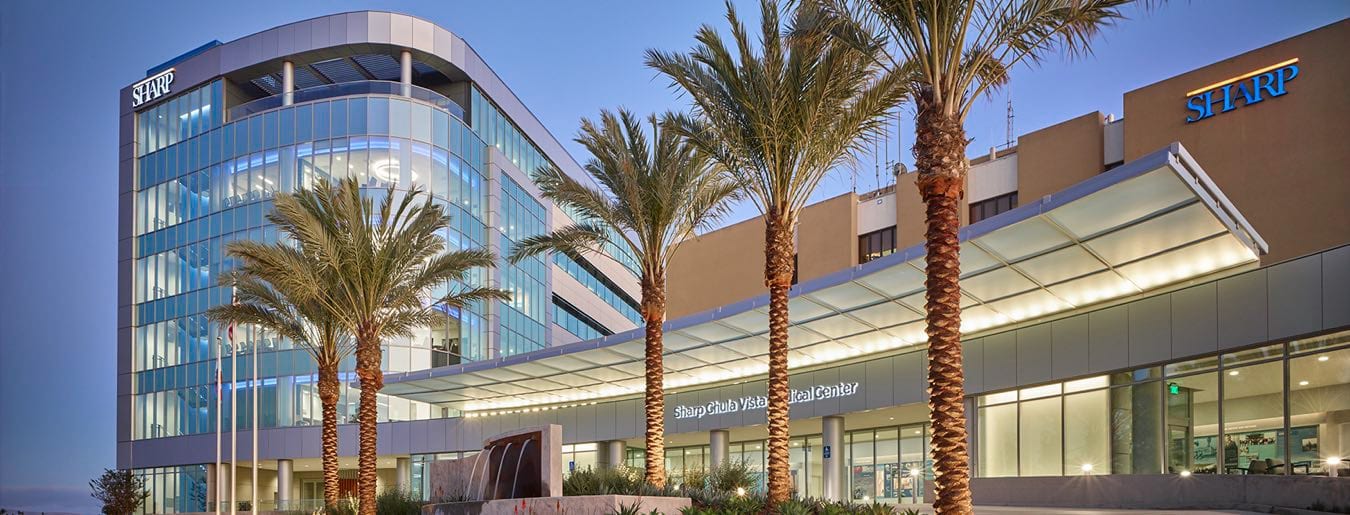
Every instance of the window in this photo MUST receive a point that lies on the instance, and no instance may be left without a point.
(876, 244)
(992, 206)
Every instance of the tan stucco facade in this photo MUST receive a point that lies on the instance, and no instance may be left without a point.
(1059, 156)
(727, 265)
(1284, 162)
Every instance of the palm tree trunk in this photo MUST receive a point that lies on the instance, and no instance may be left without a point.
(328, 397)
(372, 379)
(939, 153)
(654, 313)
(778, 266)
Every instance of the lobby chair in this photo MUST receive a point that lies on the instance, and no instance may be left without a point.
(1258, 467)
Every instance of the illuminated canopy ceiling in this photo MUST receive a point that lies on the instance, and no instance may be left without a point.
(1151, 222)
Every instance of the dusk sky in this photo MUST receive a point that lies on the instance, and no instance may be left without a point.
(62, 64)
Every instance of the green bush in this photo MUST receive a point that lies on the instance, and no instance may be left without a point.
(732, 475)
(397, 502)
(721, 503)
(603, 481)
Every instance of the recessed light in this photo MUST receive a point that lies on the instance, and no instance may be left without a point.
(1323, 358)
(1303, 383)
(1233, 373)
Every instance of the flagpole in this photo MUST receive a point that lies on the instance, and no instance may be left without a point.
(234, 421)
(254, 344)
(220, 378)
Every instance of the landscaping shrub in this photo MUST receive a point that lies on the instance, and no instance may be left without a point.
(397, 502)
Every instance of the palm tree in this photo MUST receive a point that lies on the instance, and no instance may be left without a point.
(779, 119)
(654, 198)
(265, 298)
(379, 268)
(956, 52)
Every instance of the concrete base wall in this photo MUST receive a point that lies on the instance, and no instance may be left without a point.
(1164, 491)
(560, 505)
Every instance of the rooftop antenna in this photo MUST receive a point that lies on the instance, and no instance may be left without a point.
(1009, 137)
(885, 143)
(898, 168)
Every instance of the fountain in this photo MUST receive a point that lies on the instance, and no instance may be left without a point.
(521, 472)
(518, 464)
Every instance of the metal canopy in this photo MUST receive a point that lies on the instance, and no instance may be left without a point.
(1152, 222)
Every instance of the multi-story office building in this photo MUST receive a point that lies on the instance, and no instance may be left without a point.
(209, 138)
(1163, 293)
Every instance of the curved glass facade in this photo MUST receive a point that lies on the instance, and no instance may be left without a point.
(201, 184)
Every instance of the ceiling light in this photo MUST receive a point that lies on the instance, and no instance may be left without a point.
(1185, 473)
(1303, 383)
(1233, 373)
(1323, 358)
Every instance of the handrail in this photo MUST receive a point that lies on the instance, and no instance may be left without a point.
(343, 89)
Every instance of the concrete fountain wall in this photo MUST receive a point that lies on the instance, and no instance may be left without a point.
(523, 463)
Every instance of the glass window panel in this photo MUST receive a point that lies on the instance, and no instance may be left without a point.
(304, 123)
(321, 120)
(1040, 438)
(998, 441)
(1193, 423)
(377, 116)
(356, 116)
(1319, 410)
(1087, 438)
(1253, 418)
(337, 118)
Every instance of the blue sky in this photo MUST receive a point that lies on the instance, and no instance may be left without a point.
(63, 63)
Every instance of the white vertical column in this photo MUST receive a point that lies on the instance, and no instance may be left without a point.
(403, 471)
(285, 469)
(405, 73)
(719, 446)
(832, 458)
(287, 83)
(612, 453)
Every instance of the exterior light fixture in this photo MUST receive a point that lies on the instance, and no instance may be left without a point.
(740, 491)
(1185, 473)
(1086, 468)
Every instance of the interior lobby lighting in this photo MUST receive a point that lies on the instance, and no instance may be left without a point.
(1185, 473)
(1233, 373)
(1323, 358)
(1086, 468)
(1334, 461)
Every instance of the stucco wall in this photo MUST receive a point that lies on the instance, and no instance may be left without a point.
(1284, 162)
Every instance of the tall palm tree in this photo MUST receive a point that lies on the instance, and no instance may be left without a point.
(654, 198)
(779, 118)
(956, 52)
(264, 298)
(385, 261)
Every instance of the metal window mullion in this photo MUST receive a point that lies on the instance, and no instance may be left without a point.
(1220, 461)
(1284, 396)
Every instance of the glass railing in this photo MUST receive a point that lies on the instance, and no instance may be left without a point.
(343, 89)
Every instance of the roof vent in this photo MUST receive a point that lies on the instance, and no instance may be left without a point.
(993, 153)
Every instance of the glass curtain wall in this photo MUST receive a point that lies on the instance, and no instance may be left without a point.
(1222, 414)
(887, 465)
(202, 182)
